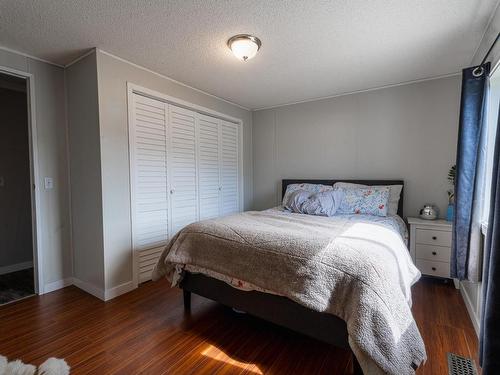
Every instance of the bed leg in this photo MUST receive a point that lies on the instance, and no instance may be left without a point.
(356, 367)
(187, 300)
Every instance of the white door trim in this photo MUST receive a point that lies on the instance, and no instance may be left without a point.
(134, 88)
(131, 181)
(34, 176)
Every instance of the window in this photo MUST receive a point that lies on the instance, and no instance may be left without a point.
(489, 132)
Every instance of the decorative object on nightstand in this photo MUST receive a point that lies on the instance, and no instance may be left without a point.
(450, 212)
(429, 212)
(430, 246)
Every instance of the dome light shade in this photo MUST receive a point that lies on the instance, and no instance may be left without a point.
(244, 46)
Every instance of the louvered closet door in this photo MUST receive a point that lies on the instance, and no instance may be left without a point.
(182, 168)
(209, 185)
(149, 181)
(229, 167)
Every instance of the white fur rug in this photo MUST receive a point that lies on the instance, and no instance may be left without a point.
(51, 366)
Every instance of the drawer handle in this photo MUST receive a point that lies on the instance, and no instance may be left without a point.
(433, 268)
(434, 238)
(434, 253)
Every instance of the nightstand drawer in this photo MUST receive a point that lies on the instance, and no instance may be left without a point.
(432, 252)
(433, 237)
(428, 267)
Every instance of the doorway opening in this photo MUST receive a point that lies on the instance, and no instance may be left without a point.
(17, 261)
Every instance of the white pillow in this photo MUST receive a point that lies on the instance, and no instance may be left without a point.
(394, 194)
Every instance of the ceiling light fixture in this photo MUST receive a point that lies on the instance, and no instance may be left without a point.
(244, 46)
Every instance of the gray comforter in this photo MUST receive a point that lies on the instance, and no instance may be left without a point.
(358, 270)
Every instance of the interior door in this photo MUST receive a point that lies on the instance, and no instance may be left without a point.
(182, 167)
(149, 181)
(209, 185)
(229, 172)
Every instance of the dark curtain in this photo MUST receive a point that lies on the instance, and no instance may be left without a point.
(489, 338)
(472, 109)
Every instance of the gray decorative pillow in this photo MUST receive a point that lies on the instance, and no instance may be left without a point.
(295, 199)
(325, 203)
(312, 188)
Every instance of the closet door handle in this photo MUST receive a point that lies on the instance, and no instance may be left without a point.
(220, 188)
(434, 253)
(434, 238)
(172, 191)
(433, 268)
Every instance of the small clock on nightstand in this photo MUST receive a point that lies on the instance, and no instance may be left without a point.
(430, 246)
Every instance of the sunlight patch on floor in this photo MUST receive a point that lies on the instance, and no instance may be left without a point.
(217, 354)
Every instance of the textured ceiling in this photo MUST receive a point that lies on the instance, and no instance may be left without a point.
(310, 48)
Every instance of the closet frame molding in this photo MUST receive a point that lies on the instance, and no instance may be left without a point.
(132, 89)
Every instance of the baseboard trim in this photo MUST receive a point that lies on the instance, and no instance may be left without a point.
(118, 290)
(470, 309)
(89, 288)
(16, 267)
(56, 285)
(104, 295)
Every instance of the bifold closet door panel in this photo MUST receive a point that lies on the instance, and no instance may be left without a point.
(148, 157)
(229, 168)
(182, 167)
(209, 186)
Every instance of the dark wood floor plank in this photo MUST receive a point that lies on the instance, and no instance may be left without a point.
(147, 331)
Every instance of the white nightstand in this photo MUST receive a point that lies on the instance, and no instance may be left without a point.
(430, 246)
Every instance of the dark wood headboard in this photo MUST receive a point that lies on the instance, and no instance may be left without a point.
(285, 183)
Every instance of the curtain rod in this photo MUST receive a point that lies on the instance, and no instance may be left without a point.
(489, 51)
(479, 70)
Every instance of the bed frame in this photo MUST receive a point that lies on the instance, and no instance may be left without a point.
(276, 309)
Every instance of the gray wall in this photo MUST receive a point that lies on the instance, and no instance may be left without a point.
(15, 192)
(406, 132)
(85, 167)
(50, 106)
(113, 75)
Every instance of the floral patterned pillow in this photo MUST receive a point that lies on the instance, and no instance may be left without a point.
(368, 201)
(312, 188)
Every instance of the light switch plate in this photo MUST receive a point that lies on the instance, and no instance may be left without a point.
(49, 183)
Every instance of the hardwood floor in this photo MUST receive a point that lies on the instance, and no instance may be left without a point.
(146, 331)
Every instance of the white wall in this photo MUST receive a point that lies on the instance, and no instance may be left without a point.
(50, 104)
(85, 169)
(406, 132)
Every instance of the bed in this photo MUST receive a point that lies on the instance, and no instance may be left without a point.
(310, 315)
